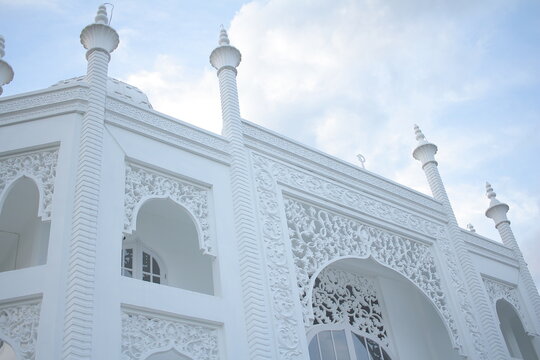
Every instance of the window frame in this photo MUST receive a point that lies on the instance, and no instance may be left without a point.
(135, 243)
(349, 331)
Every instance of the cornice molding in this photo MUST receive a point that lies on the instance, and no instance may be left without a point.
(166, 123)
(268, 141)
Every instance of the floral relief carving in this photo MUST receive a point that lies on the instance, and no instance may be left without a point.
(144, 334)
(458, 284)
(412, 259)
(354, 199)
(339, 296)
(312, 158)
(40, 166)
(319, 236)
(143, 183)
(277, 270)
(19, 323)
(497, 290)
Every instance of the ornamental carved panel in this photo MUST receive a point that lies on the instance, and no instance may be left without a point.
(316, 237)
(319, 236)
(497, 290)
(343, 297)
(19, 326)
(144, 334)
(143, 184)
(40, 166)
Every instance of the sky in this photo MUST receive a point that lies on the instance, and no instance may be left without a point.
(346, 77)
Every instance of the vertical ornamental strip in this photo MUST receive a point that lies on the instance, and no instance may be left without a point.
(225, 59)
(100, 40)
(6, 72)
(425, 153)
(497, 211)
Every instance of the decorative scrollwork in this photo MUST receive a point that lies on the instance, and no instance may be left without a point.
(143, 183)
(340, 296)
(319, 236)
(40, 166)
(19, 322)
(497, 290)
(144, 334)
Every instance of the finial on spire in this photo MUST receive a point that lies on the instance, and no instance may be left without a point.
(99, 35)
(419, 134)
(101, 17)
(225, 55)
(223, 37)
(6, 72)
(489, 191)
(496, 210)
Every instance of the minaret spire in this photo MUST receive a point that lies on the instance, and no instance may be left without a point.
(99, 39)
(495, 347)
(6, 71)
(225, 59)
(497, 211)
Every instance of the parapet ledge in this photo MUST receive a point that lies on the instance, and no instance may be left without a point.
(314, 160)
(487, 245)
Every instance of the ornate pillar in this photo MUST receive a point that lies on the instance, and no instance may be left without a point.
(494, 343)
(226, 59)
(100, 40)
(6, 72)
(497, 211)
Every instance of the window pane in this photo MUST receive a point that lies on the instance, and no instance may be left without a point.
(359, 347)
(155, 267)
(128, 258)
(127, 273)
(145, 262)
(374, 350)
(327, 345)
(314, 353)
(340, 344)
(156, 279)
(146, 277)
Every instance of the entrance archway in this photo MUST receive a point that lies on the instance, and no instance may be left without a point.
(517, 341)
(371, 301)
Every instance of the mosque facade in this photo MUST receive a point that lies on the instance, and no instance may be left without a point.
(128, 234)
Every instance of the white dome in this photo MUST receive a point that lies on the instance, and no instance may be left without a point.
(115, 88)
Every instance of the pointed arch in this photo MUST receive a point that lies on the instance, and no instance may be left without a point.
(518, 343)
(24, 237)
(143, 184)
(9, 349)
(40, 166)
(164, 248)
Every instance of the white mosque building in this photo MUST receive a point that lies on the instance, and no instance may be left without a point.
(128, 234)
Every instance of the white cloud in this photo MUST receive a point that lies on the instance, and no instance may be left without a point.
(178, 91)
(352, 77)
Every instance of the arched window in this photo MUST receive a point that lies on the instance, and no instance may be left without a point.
(517, 341)
(164, 248)
(24, 238)
(140, 262)
(6, 351)
(344, 344)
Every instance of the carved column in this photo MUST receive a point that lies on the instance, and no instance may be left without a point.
(6, 72)
(497, 211)
(100, 40)
(225, 59)
(494, 344)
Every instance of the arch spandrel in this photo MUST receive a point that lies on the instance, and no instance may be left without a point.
(143, 184)
(501, 291)
(40, 167)
(319, 237)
